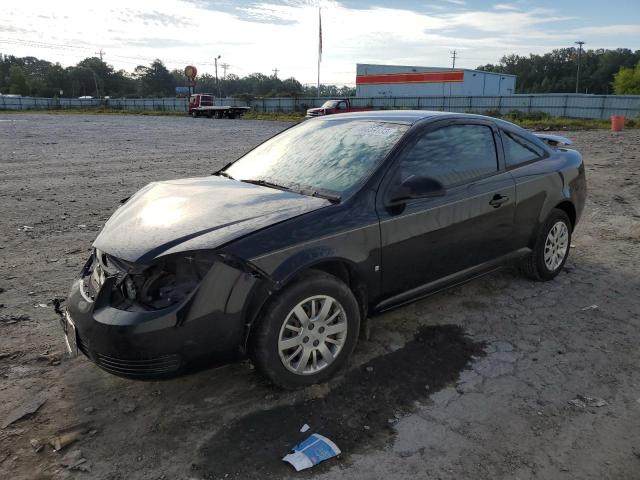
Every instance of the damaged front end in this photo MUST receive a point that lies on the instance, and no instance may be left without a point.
(149, 320)
(136, 287)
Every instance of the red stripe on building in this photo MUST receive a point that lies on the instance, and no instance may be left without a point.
(422, 77)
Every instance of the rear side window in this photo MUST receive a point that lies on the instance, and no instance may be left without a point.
(452, 155)
(519, 150)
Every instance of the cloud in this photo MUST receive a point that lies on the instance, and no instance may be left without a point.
(163, 19)
(609, 30)
(505, 6)
(260, 35)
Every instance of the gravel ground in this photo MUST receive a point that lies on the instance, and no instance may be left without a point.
(500, 378)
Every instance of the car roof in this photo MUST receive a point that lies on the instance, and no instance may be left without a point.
(408, 117)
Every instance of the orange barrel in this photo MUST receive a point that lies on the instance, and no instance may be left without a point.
(617, 123)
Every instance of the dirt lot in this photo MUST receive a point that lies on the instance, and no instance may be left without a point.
(476, 382)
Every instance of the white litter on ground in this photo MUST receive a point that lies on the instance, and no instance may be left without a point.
(312, 451)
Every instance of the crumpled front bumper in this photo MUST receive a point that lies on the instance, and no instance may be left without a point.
(210, 325)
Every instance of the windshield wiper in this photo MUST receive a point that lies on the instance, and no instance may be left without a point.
(224, 174)
(320, 193)
(308, 191)
(266, 183)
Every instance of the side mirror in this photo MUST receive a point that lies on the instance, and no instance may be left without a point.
(415, 187)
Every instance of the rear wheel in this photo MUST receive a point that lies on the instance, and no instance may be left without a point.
(307, 332)
(194, 114)
(551, 249)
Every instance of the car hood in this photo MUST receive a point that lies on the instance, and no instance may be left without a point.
(316, 111)
(195, 213)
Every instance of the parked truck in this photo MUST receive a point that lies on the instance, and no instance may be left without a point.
(335, 105)
(203, 105)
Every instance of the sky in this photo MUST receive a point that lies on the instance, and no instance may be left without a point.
(260, 36)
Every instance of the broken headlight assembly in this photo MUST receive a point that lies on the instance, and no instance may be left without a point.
(167, 281)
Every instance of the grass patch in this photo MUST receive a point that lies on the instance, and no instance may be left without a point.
(251, 115)
(278, 116)
(533, 120)
(542, 121)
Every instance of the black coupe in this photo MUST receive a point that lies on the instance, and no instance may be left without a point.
(282, 254)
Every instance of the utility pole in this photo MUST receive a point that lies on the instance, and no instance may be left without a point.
(580, 43)
(225, 67)
(275, 72)
(217, 82)
(100, 53)
(454, 54)
(319, 46)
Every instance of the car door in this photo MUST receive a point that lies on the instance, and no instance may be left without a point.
(533, 179)
(426, 239)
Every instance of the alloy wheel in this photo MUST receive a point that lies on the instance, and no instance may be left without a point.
(556, 246)
(312, 335)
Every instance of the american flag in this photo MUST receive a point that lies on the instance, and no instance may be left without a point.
(320, 35)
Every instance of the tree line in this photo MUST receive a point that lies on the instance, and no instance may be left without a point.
(601, 71)
(93, 77)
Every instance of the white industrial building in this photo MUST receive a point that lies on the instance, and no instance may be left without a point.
(406, 81)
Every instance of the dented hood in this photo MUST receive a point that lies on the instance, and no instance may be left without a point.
(195, 213)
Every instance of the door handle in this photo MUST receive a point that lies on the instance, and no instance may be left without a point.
(498, 200)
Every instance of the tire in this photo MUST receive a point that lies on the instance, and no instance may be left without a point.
(194, 114)
(551, 248)
(286, 356)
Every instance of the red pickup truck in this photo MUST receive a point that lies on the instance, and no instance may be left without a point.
(335, 105)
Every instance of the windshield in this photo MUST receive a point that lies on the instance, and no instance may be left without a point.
(323, 155)
(330, 104)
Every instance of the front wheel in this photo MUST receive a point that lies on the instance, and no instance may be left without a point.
(551, 249)
(307, 332)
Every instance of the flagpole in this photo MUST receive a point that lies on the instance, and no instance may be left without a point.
(319, 47)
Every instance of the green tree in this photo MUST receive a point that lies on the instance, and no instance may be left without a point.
(155, 80)
(555, 71)
(17, 81)
(627, 81)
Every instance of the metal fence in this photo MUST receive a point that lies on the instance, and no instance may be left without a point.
(36, 103)
(562, 105)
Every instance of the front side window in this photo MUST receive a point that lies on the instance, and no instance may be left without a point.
(452, 155)
(518, 150)
(331, 155)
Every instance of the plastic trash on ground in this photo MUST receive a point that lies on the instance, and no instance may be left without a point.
(312, 451)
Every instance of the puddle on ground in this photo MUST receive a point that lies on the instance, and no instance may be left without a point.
(355, 414)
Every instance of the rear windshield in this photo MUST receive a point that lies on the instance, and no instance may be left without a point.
(330, 155)
(206, 101)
